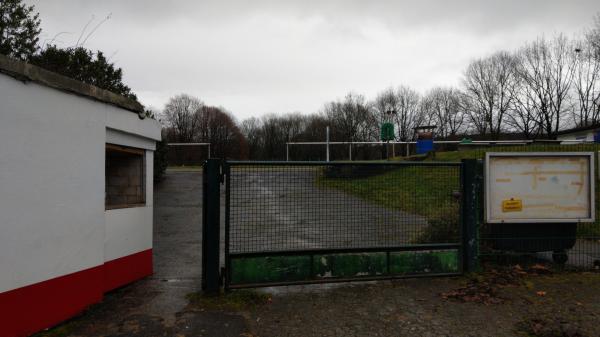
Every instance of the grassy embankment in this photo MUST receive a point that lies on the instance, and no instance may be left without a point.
(426, 190)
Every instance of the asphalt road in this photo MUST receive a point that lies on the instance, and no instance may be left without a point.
(290, 209)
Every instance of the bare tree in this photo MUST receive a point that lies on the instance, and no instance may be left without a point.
(523, 117)
(182, 117)
(252, 129)
(385, 101)
(488, 96)
(593, 37)
(546, 69)
(351, 119)
(442, 107)
(187, 120)
(220, 129)
(407, 116)
(586, 84)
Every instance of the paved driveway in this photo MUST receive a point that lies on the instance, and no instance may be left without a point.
(290, 209)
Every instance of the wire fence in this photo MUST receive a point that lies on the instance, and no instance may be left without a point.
(377, 150)
(478, 151)
(292, 207)
(299, 221)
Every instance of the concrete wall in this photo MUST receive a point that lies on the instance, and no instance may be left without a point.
(53, 221)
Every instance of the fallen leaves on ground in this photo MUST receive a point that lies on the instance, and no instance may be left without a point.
(550, 327)
(484, 288)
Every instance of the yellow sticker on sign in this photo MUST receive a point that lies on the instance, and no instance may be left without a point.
(512, 205)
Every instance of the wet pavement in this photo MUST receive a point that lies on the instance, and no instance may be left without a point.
(157, 305)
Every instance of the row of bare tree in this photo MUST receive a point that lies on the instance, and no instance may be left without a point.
(188, 120)
(543, 87)
(535, 91)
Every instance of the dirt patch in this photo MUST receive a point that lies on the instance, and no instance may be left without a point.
(485, 287)
(238, 300)
(534, 302)
(549, 327)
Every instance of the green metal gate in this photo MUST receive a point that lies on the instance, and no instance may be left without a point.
(305, 222)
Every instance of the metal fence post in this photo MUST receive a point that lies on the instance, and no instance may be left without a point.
(470, 178)
(211, 225)
(327, 136)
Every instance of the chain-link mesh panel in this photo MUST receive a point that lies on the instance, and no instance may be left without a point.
(279, 207)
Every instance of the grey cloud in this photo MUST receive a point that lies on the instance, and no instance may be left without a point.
(261, 56)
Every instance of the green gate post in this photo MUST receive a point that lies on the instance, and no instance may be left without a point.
(470, 213)
(211, 208)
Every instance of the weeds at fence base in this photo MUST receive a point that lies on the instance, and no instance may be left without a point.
(229, 301)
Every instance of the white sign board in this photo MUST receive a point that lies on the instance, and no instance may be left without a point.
(539, 187)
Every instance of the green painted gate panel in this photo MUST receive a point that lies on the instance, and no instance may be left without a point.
(436, 262)
(314, 267)
(270, 269)
(350, 265)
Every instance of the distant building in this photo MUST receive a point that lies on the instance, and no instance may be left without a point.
(76, 186)
(589, 133)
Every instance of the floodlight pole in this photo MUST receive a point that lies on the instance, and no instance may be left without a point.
(287, 152)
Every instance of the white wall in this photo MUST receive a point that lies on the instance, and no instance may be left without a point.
(52, 157)
(582, 135)
(129, 230)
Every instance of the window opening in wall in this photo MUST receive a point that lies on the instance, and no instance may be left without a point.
(125, 172)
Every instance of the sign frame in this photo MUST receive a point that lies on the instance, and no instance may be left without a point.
(591, 179)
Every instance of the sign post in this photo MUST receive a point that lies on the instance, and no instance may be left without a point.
(387, 130)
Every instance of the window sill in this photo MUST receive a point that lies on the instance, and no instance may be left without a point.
(111, 207)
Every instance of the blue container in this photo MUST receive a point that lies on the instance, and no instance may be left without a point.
(424, 146)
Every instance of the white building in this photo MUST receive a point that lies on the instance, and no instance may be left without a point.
(588, 133)
(76, 168)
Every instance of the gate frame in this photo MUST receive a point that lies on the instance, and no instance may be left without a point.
(217, 172)
(211, 221)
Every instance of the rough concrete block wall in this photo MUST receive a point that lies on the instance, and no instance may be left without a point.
(124, 179)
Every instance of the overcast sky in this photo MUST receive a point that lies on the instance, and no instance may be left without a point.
(257, 57)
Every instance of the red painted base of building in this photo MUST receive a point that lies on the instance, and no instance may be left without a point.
(29, 309)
